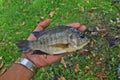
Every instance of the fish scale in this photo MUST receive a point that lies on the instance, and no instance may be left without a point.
(57, 40)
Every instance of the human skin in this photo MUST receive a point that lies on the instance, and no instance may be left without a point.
(19, 72)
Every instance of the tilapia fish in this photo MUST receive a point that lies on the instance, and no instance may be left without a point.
(57, 40)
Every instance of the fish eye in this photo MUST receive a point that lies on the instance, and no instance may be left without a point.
(81, 34)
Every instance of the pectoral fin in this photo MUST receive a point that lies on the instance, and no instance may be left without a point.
(60, 45)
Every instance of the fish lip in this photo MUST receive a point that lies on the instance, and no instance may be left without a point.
(83, 44)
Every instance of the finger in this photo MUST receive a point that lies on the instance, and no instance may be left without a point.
(75, 25)
(26, 54)
(29, 53)
(53, 58)
(82, 28)
(42, 25)
(78, 26)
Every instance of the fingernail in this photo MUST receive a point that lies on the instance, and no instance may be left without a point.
(82, 28)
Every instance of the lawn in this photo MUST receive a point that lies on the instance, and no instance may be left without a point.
(19, 18)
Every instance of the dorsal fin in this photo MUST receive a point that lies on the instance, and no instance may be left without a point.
(37, 34)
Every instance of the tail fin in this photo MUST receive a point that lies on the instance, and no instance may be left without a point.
(24, 45)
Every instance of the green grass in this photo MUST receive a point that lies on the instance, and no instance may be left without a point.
(19, 18)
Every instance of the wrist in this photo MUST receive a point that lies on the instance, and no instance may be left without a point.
(17, 72)
(33, 58)
(27, 64)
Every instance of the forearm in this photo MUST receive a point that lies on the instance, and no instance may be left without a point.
(17, 72)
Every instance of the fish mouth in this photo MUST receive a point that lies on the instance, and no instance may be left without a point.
(83, 44)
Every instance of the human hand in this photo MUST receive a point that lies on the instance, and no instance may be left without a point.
(45, 60)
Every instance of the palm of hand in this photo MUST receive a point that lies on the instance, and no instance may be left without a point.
(45, 60)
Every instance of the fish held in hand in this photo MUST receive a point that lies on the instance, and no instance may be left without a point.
(57, 40)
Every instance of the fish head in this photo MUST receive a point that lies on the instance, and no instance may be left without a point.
(78, 39)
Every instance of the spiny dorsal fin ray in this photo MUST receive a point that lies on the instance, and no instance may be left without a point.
(37, 34)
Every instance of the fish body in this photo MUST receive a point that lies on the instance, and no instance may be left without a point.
(57, 40)
(115, 2)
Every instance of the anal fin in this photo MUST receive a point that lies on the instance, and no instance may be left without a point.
(39, 52)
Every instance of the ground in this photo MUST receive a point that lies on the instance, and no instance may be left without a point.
(19, 18)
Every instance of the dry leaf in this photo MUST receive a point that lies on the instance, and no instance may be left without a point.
(101, 76)
(102, 58)
(87, 1)
(98, 63)
(87, 67)
(23, 24)
(61, 78)
(43, 69)
(63, 62)
(62, 4)
(94, 54)
(2, 64)
(94, 8)
(48, 75)
(82, 9)
(91, 72)
(52, 13)
(2, 43)
(118, 55)
(2, 71)
(41, 17)
(57, 8)
(84, 52)
(77, 68)
(18, 32)
(0, 57)
(52, 2)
